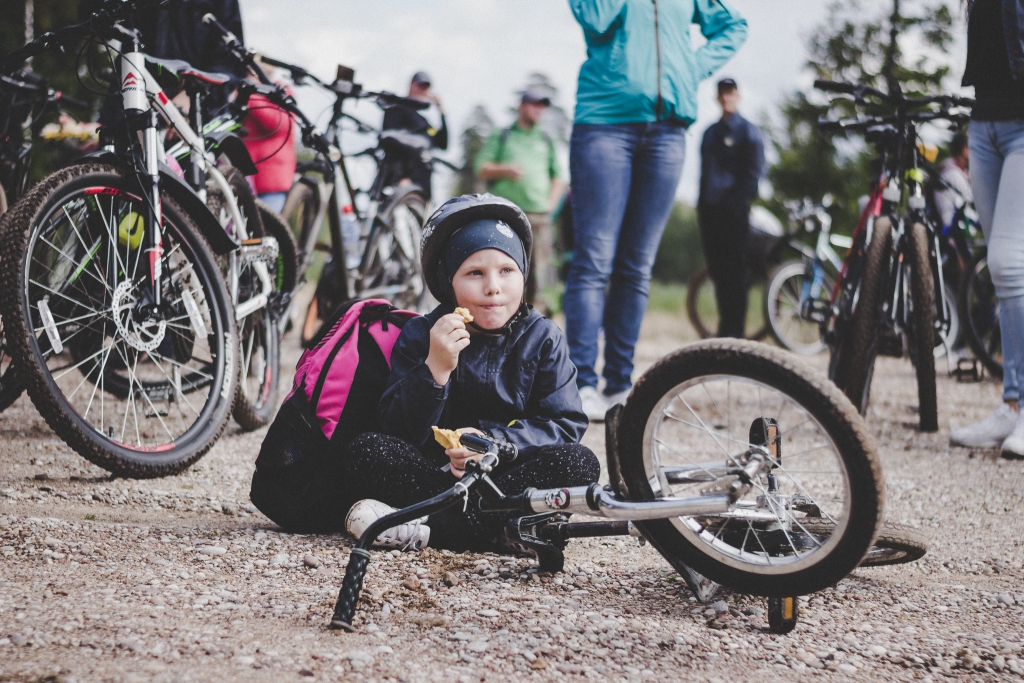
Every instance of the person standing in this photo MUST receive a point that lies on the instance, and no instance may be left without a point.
(429, 123)
(271, 144)
(955, 189)
(732, 162)
(995, 67)
(637, 95)
(519, 163)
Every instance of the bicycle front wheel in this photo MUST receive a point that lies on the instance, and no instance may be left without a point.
(979, 310)
(693, 415)
(140, 389)
(855, 367)
(392, 259)
(782, 309)
(922, 329)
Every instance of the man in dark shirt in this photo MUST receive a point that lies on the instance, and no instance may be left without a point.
(429, 123)
(732, 161)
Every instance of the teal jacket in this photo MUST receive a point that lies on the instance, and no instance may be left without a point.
(640, 64)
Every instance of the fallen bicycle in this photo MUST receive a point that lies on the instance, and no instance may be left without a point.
(736, 462)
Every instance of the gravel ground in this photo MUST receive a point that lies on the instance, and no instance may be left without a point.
(180, 579)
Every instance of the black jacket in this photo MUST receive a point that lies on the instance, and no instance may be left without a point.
(732, 162)
(520, 387)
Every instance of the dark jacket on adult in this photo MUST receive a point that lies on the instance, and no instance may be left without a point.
(519, 386)
(732, 162)
(996, 67)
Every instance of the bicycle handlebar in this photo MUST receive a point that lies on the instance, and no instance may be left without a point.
(896, 100)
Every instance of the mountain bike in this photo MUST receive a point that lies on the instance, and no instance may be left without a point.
(732, 459)
(116, 312)
(261, 274)
(797, 295)
(891, 297)
(25, 98)
(383, 259)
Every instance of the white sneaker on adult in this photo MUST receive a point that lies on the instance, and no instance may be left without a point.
(1013, 445)
(615, 399)
(414, 535)
(989, 433)
(594, 404)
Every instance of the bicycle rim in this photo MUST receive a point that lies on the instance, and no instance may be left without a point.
(144, 380)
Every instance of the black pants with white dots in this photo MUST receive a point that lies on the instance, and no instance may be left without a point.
(390, 470)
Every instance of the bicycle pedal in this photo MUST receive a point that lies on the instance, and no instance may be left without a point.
(968, 370)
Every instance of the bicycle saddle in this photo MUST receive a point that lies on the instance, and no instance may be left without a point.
(183, 70)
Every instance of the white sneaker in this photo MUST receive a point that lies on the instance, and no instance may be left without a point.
(616, 399)
(1013, 445)
(989, 433)
(594, 404)
(412, 535)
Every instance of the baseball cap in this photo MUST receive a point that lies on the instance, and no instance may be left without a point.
(421, 78)
(726, 85)
(536, 96)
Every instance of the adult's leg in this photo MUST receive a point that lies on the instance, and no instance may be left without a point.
(275, 200)
(601, 163)
(657, 167)
(1006, 249)
(541, 264)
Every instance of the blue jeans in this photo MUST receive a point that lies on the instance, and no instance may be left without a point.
(624, 179)
(275, 200)
(997, 181)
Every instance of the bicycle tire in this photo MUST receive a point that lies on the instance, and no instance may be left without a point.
(259, 349)
(286, 267)
(856, 369)
(979, 311)
(895, 544)
(699, 280)
(299, 213)
(820, 404)
(382, 270)
(154, 458)
(922, 329)
(782, 309)
(11, 387)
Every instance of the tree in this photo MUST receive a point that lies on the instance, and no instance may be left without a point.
(903, 47)
(474, 135)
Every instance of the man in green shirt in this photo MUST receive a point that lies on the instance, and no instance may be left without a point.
(519, 163)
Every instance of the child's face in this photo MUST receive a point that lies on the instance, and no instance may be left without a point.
(490, 284)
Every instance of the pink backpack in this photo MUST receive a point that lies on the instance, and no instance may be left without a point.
(335, 397)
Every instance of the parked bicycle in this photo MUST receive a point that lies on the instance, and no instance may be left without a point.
(114, 307)
(891, 296)
(798, 292)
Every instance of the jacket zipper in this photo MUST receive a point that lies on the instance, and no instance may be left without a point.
(657, 50)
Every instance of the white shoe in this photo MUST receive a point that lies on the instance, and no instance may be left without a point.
(412, 535)
(989, 433)
(1013, 445)
(594, 404)
(616, 399)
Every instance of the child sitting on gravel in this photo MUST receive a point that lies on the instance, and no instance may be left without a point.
(505, 373)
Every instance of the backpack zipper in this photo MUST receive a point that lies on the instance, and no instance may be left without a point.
(657, 51)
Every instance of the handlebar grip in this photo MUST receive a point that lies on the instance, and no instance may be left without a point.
(507, 452)
(72, 101)
(345, 609)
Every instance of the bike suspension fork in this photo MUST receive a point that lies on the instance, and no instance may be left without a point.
(154, 238)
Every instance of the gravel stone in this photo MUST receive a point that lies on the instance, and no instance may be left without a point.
(114, 582)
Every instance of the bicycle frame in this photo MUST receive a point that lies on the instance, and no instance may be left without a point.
(594, 500)
(206, 166)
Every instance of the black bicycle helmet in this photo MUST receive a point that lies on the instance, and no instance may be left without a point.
(457, 213)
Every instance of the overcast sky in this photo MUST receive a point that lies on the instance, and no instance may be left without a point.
(481, 51)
